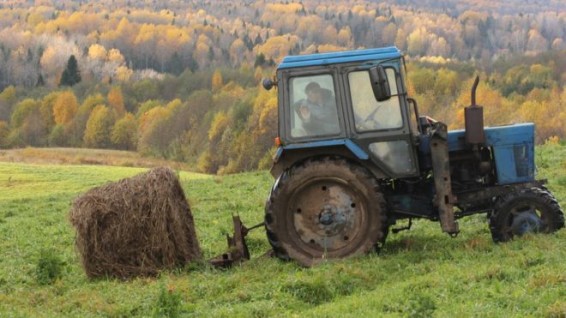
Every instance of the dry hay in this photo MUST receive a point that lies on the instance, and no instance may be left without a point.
(135, 227)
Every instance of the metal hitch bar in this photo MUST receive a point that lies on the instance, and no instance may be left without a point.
(237, 247)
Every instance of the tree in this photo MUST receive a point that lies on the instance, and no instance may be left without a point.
(65, 107)
(57, 137)
(22, 110)
(116, 101)
(217, 81)
(98, 128)
(154, 133)
(28, 127)
(125, 133)
(7, 100)
(4, 132)
(71, 75)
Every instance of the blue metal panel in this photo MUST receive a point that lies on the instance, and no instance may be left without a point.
(501, 135)
(355, 149)
(513, 149)
(340, 57)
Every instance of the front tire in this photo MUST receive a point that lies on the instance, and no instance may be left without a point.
(530, 210)
(325, 209)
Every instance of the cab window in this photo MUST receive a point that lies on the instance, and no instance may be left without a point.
(369, 114)
(313, 106)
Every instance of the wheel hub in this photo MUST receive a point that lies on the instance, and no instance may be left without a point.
(327, 215)
(526, 222)
(331, 215)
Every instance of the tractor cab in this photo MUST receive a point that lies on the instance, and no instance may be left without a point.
(351, 102)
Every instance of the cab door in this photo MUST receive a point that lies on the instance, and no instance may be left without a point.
(381, 128)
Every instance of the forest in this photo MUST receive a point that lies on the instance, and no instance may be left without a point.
(179, 79)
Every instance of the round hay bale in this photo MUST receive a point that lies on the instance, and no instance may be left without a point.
(135, 227)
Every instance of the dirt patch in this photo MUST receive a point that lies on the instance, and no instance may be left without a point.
(135, 227)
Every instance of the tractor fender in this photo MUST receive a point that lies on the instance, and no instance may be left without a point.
(288, 156)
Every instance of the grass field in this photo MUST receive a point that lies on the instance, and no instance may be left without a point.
(420, 273)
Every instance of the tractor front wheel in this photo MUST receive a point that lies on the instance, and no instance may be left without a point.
(325, 209)
(530, 210)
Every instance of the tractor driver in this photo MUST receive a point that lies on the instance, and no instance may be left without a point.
(318, 111)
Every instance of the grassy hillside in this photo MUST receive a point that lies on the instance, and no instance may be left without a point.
(419, 273)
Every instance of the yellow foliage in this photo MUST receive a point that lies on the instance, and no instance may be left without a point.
(123, 73)
(277, 47)
(97, 52)
(288, 8)
(173, 105)
(234, 90)
(4, 132)
(124, 132)
(547, 117)
(329, 48)
(218, 125)
(497, 109)
(146, 34)
(65, 107)
(114, 55)
(98, 128)
(265, 108)
(217, 81)
(34, 18)
(150, 116)
(553, 140)
(116, 101)
(345, 37)
(8, 94)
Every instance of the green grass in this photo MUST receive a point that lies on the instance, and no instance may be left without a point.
(419, 273)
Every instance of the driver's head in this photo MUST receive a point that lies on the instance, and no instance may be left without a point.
(313, 92)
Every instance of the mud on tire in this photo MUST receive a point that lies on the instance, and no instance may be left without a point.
(326, 208)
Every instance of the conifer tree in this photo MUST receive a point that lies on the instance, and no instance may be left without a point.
(71, 74)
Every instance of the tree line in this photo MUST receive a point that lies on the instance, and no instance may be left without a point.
(222, 121)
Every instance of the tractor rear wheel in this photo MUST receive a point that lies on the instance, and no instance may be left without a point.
(325, 209)
(530, 210)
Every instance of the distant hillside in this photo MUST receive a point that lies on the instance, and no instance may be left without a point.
(123, 40)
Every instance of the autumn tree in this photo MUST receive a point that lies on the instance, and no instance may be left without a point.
(46, 109)
(116, 101)
(217, 81)
(99, 128)
(154, 136)
(4, 132)
(8, 98)
(219, 134)
(124, 133)
(57, 137)
(65, 107)
(27, 126)
(74, 129)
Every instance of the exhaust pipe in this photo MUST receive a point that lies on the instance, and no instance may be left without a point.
(473, 116)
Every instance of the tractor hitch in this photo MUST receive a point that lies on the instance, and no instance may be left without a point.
(237, 248)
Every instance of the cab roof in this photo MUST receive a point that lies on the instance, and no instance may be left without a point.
(319, 59)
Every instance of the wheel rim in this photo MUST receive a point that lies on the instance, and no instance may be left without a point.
(327, 216)
(523, 219)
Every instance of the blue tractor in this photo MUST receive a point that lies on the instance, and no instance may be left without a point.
(355, 157)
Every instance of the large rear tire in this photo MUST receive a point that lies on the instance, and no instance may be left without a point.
(325, 209)
(530, 210)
